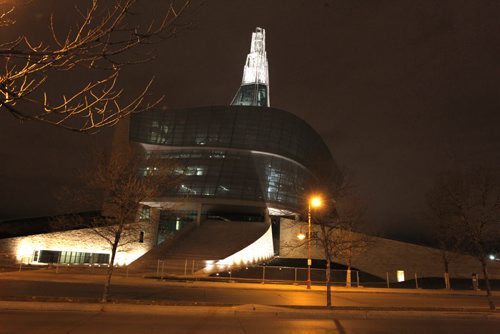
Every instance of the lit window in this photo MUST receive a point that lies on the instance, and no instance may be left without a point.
(186, 189)
(209, 192)
(145, 213)
(201, 139)
(194, 170)
(400, 275)
(217, 155)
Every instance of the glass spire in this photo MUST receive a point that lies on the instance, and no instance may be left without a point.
(254, 89)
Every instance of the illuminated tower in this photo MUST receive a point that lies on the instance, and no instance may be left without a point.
(254, 89)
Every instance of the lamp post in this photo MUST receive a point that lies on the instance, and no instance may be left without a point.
(314, 202)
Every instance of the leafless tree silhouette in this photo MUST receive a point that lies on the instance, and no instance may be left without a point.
(106, 37)
(469, 201)
(119, 184)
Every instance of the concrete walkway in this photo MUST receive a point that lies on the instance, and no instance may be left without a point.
(52, 276)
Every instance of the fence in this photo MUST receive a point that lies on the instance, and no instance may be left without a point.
(189, 269)
(291, 275)
(179, 267)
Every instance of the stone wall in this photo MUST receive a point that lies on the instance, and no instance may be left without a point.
(22, 249)
(384, 256)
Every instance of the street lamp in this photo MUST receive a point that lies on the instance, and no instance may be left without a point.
(315, 202)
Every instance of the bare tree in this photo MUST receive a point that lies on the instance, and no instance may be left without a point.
(123, 181)
(105, 37)
(336, 225)
(349, 243)
(326, 239)
(470, 200)
(339, 222)
(446, 235)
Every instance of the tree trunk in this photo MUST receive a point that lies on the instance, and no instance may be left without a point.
(328, 285)
(491, 303)
(447, 284)
(348, 276)
(107, 284)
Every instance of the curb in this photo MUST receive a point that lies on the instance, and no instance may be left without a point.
(254, 310)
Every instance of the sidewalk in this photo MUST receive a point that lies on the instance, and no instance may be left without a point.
(51, 275)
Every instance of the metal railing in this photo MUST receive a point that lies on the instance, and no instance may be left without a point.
(190, 269)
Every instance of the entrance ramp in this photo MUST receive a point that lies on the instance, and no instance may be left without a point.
(213, 240)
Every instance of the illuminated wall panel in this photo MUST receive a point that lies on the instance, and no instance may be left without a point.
(82, 242)
(260, 250)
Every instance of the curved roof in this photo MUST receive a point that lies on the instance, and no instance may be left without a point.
(262, 129)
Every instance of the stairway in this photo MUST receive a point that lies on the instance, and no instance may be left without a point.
(212, 240)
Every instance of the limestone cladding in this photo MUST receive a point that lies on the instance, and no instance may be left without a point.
(384, 256)
(22, 249)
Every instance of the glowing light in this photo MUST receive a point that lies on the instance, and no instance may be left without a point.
(492, 257)
(256, 67)
(400, 275)
(315, 201)
(301, 236)
(24, 251)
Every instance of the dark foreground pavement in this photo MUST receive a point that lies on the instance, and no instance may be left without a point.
(135, 319)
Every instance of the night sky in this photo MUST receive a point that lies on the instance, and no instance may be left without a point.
(399, 90)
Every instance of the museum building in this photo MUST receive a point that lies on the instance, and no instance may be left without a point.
(246, 170)
(242, 165)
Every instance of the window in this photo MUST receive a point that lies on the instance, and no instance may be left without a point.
(217, 155)
(194, 170)
(47, 256)
(400, 275)
(69, 257)
(102, 258)
(145, 213)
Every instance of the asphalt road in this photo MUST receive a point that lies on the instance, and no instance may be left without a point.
(234, 294)
(38, 322)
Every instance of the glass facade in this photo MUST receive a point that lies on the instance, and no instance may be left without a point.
(68, 257)
(251, 95)
(234, 152)
(172, 221)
